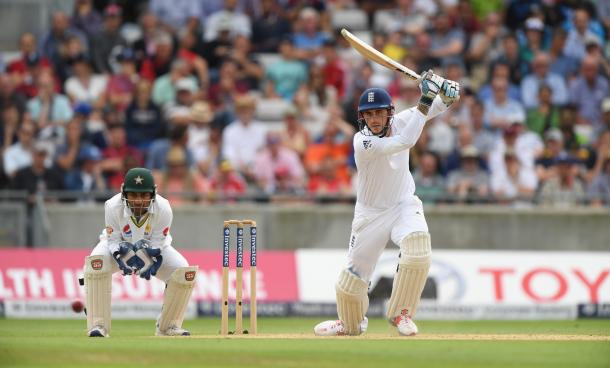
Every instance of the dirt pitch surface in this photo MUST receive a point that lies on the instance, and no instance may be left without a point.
(457, 337)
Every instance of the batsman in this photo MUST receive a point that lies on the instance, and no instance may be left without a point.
(387, 208)
(137, 241)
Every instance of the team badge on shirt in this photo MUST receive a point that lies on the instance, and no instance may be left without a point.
(127, 231)
(367, 144)
(147, 230)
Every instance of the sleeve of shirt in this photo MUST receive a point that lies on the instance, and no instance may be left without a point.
(160, 236)
(368, 147)
(113, 228)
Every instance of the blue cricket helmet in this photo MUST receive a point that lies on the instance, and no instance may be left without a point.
(375, 98)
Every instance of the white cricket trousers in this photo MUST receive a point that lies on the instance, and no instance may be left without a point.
(373, 228)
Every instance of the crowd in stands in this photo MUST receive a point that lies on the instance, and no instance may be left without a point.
(230, 98)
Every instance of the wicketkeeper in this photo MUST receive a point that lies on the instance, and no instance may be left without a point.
(137, 241)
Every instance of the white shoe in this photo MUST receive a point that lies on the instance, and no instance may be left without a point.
(97, 331)
(404, 324)
(336, 328)
(172, 331)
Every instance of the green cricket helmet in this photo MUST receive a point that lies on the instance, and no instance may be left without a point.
(138, 180)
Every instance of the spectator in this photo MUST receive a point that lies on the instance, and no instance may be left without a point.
(50, 111)
(530, 86)
(499, 70)
(315, 98)
(533, 42)
(159, 59)
(164, 88)
(407, 16)
(201, 115)
(333, 147)
(71, 48)
(469, 182)
(157, 154)
(87, 175)
(38, 177)
(294, 134)
(249, 72)
(23, 71)
(429, 183)
(447, 43)
(222, 93)
(564, 190)
(334, 69)
(575, 43)
(227, 183)
(85, 86)
(115, 155)
(511, 57)
(545, 163)
(482, 138)
(178, 112)
(308, 38)
(599, 190)
(269, 28)
(485, 46)
(515, 182)
(327, 182)
(19, 155)
(243, 137)
(561, 64)
(286, 75)
(177, 182)
(122, 85)
(9, 96)
(176, 14)
(500, 110)
(545, 115)
(189, 49)
(67, 152)
(143, 119)
(103, 43)
(277, 168)
(587, 92)
(228, 19)
(208, 155)
(10, 123)
(86, 18)
(60, 32)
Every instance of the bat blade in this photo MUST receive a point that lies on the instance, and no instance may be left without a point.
(371, 53)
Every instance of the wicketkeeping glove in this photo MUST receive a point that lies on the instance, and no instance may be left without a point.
(124, 256)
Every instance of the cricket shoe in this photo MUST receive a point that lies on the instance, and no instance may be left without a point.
(172, 331)
(336, 327)
(97, 331)
(404, 324)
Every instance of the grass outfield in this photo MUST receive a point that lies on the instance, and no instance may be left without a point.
(289, 342)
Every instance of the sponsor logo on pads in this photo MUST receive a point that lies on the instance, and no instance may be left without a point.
(97, 264)
(189, 275)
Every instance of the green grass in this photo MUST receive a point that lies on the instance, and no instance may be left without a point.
(62, 343)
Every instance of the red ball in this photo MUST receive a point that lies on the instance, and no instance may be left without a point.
(78, 306)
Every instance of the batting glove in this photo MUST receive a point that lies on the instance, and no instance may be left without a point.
(450, 92)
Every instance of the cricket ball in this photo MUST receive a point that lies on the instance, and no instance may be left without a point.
(77, 306)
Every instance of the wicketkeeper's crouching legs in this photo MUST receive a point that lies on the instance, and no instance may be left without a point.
(98, 289)
(175, 301)
(409, 281)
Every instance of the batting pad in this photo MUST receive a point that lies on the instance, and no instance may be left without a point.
(352, 301)
(409, 281)
(98, 289)
(177, 296)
